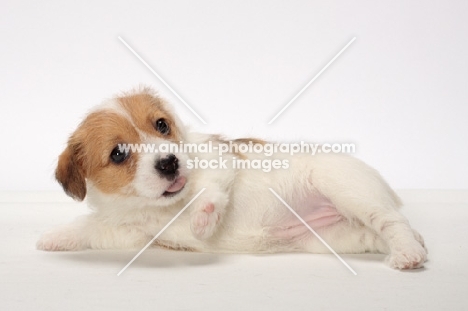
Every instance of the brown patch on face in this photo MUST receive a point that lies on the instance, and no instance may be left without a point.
(145, 109)
(87, 155)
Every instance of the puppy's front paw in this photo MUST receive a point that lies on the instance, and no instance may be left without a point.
(204, 221)
(408, 258)
(59, 240)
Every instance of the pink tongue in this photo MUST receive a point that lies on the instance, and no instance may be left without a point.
(177, 185)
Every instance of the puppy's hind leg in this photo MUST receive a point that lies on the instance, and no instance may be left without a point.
(362, 196)
(346, 238)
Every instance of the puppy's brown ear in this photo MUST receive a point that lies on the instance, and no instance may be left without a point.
(70, 173)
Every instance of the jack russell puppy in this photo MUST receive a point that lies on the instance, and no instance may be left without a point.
(135, 193)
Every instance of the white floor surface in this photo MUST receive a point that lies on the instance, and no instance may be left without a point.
(169, 280)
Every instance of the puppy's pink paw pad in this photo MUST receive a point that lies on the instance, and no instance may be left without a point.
(209, 208)
(203, 223)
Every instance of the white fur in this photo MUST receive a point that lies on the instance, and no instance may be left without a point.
(362, 208)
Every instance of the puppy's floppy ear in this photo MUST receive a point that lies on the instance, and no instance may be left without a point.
(70, 172)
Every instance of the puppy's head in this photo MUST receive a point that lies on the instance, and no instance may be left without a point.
(115, 152)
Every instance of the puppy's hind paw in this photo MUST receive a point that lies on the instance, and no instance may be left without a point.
(408, 259)
(204, 221)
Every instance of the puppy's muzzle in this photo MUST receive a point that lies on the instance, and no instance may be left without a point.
(167, 167)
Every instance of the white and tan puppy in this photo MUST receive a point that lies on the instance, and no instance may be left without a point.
(135, 194)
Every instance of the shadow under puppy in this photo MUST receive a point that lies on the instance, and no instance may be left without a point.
(134, 194)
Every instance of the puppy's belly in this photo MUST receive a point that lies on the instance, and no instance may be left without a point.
(315, 210)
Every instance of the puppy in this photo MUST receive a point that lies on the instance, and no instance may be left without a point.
(134, 194)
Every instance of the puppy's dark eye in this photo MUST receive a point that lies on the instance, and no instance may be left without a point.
(118, 156)
(162, 127)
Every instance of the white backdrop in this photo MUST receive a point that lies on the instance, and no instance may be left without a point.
(399, 92)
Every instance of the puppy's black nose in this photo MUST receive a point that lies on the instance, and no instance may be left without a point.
(167, 166)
